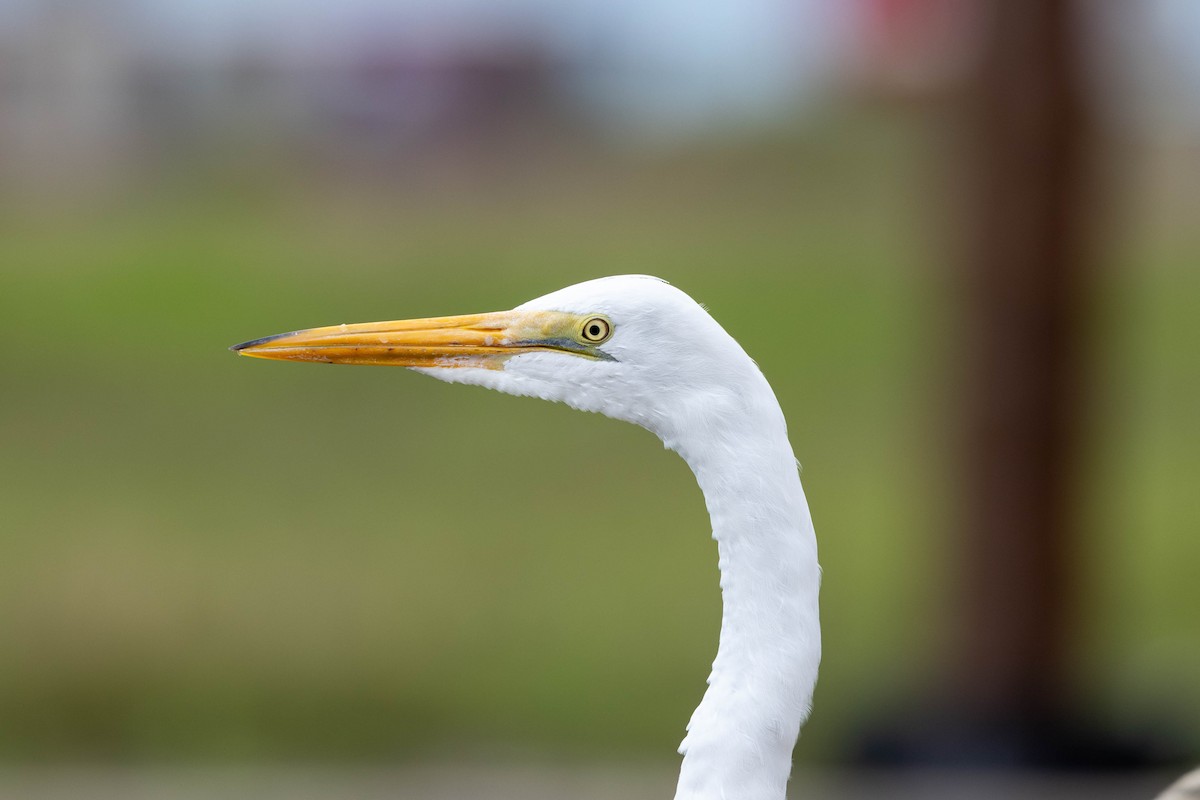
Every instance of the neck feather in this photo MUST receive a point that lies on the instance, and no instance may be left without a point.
(740, 738)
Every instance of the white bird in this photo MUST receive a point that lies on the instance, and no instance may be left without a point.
(635, 348)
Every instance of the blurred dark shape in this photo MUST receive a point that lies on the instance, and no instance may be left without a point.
(456, 109)
(1011, 698)
(449, 93)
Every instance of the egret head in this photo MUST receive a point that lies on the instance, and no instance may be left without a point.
(630, 347)
(635, 348)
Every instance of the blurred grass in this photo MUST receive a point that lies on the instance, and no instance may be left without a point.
(209, 557)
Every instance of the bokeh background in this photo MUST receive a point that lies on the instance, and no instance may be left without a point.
(208, 560)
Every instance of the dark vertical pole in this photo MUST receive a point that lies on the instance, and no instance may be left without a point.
(1023, 278)
(1025, 269)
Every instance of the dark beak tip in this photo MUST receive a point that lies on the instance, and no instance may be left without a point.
(237, 348)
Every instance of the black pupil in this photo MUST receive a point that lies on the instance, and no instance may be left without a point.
(594, 330)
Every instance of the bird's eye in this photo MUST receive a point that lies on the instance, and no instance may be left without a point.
(596, 330)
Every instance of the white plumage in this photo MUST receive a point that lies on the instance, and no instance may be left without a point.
(656, 358)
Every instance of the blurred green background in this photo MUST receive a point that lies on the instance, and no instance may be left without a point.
(204, 557)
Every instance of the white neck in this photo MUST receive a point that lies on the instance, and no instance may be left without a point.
(740, 738)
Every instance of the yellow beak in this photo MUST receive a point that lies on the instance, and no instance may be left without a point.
(474, 340)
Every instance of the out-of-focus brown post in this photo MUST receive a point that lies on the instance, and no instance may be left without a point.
(1025, 268)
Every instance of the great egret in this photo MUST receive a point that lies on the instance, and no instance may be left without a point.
(635, 348)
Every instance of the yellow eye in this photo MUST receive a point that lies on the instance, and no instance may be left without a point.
(596, 330)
